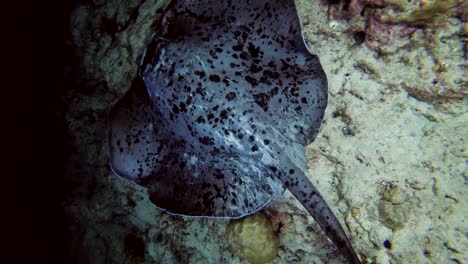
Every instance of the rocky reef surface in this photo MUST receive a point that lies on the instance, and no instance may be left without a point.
(390, 159)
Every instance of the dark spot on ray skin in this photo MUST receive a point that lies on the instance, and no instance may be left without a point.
(215, 78)
(251, 80)
(253, 50)
(231, 96)
(244, 35)
(206, 140)
(210, 116)
(219, 106)
(226, 82)
(262, 99)
(200, 119)
(237, 47)
(273, 169)
(255, 68)
(223, 114)
(218, 174)
(243, 56)
(199, 73)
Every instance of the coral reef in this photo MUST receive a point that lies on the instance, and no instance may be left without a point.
(437, 28)
(253, 238)
(421, 12)
(400, 91)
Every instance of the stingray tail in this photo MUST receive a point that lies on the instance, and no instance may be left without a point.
(300, 186)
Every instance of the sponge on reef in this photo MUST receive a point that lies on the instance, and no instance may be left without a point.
(253, 238)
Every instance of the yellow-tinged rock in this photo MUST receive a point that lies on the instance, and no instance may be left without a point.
(253, 238)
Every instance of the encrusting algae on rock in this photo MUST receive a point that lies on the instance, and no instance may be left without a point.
(420, 13)
(253, 238)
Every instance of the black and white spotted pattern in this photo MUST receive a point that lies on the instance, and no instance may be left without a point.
(228, 97)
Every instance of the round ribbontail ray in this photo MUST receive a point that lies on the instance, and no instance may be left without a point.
(216, 122)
